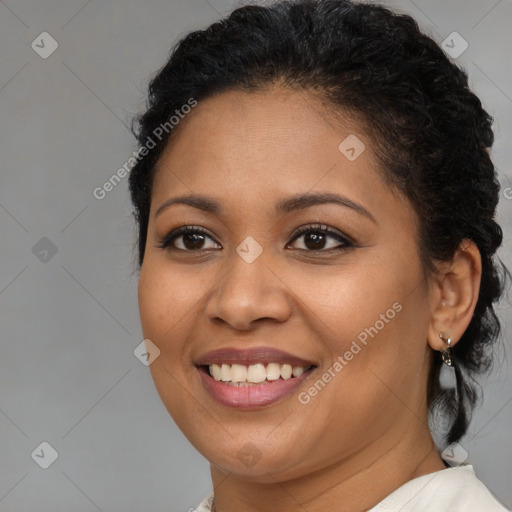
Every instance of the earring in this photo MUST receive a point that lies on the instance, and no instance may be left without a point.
(446, 353)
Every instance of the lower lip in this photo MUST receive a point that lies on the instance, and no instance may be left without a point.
(251, 397)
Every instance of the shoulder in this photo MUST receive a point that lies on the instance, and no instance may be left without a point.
(204, 506)
(454, 489)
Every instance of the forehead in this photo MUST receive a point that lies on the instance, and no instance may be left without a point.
(261, 146)
(246, 130)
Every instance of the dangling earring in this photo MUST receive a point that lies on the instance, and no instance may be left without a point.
(446, 353)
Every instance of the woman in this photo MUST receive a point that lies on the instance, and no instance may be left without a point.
(315, 202)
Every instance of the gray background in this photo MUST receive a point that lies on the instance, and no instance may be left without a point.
(69, 320)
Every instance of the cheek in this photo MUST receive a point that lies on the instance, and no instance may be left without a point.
(348, 301)
(374, 318)
(166, 301)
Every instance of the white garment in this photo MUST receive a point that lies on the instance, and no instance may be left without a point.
(449, 490)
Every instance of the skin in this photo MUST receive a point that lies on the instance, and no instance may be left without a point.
(365, 433)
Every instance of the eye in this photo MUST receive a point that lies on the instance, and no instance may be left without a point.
(188, 238)
(315, 238)
(320, 237)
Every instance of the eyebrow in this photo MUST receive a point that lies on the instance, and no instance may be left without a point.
(297, 202)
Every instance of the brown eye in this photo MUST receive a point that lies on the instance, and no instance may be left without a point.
(320, 239)
(314, 240)
(188, 239)
(193, 241)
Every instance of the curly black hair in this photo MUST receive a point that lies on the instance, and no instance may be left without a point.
(430, 132)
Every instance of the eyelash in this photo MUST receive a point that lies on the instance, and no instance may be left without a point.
(166, 242)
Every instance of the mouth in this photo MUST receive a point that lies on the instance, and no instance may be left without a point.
(255, 374)
(252, 378)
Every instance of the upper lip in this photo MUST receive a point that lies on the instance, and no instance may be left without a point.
(262, 354)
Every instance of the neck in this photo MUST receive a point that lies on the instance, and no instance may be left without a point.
(358, 483)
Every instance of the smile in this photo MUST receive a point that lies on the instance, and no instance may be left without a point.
(254, 377)
(249, 375)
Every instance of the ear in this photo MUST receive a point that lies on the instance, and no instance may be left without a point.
(453, 294)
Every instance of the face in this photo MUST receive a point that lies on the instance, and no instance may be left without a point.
(299, 259)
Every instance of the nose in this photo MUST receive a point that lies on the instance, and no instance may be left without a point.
(248, 294)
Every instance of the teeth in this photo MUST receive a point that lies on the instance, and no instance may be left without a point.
(254, 373)
(286, 371)
(225, 373)
(273, 371)
(239, 373)
(297, 371)
(216, 371)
